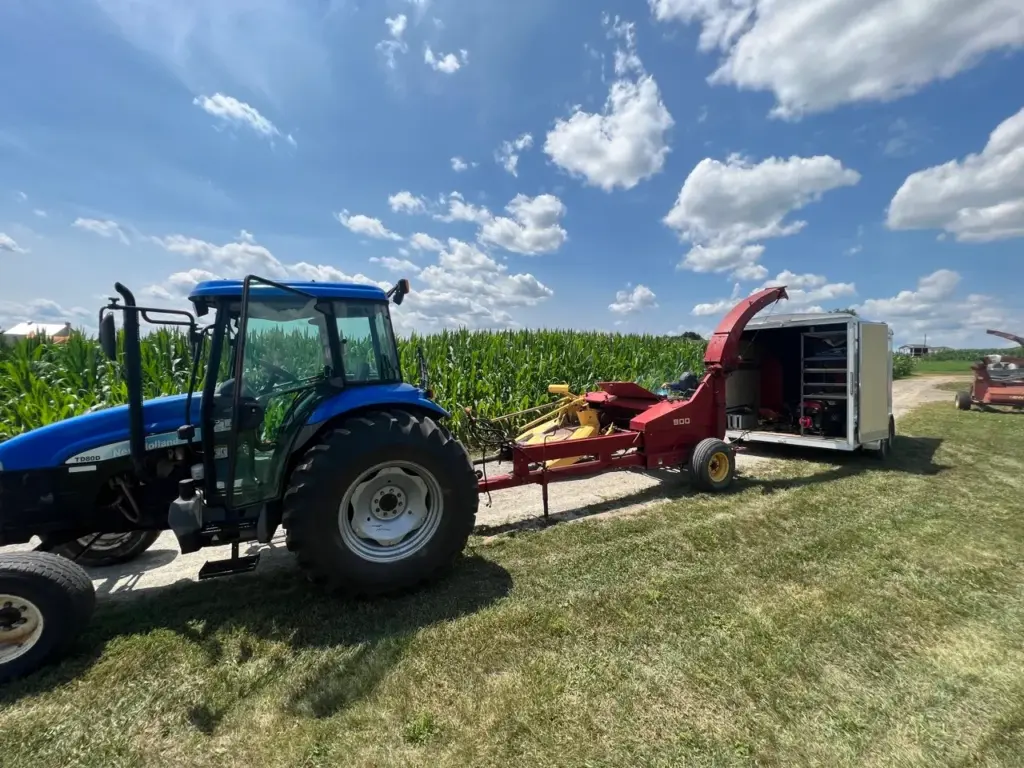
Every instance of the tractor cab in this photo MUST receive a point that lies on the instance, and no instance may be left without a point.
(272, 354)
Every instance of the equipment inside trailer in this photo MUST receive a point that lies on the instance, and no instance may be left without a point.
(792, 381)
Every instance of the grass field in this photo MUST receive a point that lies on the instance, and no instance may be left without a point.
(822, 614)
(925, 366)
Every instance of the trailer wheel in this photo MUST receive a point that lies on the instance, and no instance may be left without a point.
(713, 465)
(382, 504)
(963, 401)
(885, 445)
(45, 602)
(108, 549)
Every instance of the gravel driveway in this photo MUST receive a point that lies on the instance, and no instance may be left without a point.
(612, 493)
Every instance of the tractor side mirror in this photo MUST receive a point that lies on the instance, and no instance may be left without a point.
(399, 291)
(108, 336)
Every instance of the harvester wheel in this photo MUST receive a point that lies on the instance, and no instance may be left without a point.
(108, 549)
(713, 465)
(963, 401)
(382, 504)
(45, 602)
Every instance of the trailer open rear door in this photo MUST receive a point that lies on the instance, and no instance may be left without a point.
(874, 390)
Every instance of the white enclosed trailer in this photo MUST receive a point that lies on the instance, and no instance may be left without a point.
(817, 380)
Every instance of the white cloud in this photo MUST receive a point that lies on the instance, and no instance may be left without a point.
(8, 244)
(877, 51)
(392, 264)
(448, 63)
(364, 225)
(935, 310)
(750, 272)
(739, 260)
(460, 210)
(978, 199)
(43, 311)
(629, 302)
(806, 292)
(230, 110)
(102, 228)
(39, 212)
(466, 287)
(626, 142)
(535, 226)
(459, 165)
(396, 26)
(241, 257)
(725, 208)
(22, 197)
(235, 260)
(407, 202)
(180, 284)
(719, 307)
(424, 242)
(508, 153)
(396, 44)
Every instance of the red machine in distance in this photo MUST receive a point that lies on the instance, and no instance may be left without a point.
(642, 429)
(997, 382)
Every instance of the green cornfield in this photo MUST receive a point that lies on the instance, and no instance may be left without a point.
(494, 372)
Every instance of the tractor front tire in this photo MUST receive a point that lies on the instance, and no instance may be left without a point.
(108, 549)
(381, 505)
(963, 401)
(45, 602)
(713, 465)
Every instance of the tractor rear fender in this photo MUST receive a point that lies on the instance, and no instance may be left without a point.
(361, 399)
(723, 348)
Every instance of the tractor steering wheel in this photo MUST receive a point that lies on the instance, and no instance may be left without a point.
(275, 374)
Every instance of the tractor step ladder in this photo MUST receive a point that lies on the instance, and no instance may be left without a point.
(229, 566)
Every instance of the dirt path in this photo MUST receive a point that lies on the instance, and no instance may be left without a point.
(615, 493)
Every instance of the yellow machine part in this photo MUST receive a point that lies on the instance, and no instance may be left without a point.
(571, 411)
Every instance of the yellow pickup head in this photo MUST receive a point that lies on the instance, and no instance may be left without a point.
(558, 389)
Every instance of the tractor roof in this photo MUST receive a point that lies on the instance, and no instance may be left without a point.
(209, 290)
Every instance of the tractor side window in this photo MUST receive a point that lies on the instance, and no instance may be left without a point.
(368, 347)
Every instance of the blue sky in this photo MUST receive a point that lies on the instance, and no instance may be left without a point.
(670, 156)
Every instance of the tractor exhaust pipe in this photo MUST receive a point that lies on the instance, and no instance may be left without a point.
(133, 379)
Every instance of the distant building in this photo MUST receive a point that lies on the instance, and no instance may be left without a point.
(920, 350)
(57, 332)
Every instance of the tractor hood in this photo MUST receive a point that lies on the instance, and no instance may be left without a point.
(104, 434)
(96, 436)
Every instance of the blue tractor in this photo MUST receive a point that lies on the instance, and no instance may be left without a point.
(296, 416)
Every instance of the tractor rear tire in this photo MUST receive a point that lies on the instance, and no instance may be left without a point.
(963, 401)
(381, 505)
(109, 549)
(713, 465)
(45, 602)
